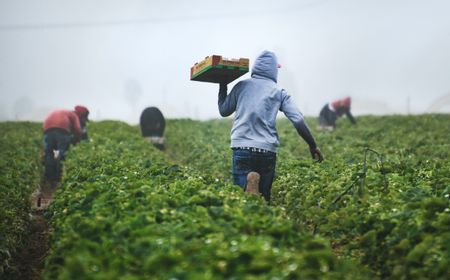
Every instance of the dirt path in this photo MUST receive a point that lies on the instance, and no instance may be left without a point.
(29, 262)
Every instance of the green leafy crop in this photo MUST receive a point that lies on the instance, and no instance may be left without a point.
(392, 218)
(376, 208)
(21, 169)
(125, 212)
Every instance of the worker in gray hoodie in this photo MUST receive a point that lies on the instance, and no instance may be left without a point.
(254, 139)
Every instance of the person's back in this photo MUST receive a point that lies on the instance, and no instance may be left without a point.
(152, 125)
(62, 119)
(256, 105)
(254, 139)
(341, 106)
(255, 116)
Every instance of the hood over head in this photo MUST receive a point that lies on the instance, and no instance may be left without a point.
(266, 65)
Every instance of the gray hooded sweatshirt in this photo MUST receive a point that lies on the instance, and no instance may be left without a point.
(256, 102)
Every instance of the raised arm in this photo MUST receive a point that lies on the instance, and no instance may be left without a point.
(227, 103)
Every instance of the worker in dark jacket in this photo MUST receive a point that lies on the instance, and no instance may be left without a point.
(61, 128)
(255, 103)
(333, 110)
(152, 124)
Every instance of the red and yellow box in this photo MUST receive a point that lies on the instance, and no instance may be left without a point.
(216, 69)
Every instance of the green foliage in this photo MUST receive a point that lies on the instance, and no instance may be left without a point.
(128, 211)
(20, 144)
(395, 221)
(203, 145)
(125, 212)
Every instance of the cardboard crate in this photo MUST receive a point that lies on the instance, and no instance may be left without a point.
(216, 69)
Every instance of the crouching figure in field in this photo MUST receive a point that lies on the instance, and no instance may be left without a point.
(152, 126)
(334, 110)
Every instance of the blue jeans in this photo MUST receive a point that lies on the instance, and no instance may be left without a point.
(58, 140)
(245, 161)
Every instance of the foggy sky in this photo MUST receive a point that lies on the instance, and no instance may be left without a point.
(118, 57)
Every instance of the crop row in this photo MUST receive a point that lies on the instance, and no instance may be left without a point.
(388, 209)
(21, 169)
(395, 218)
(124, 212)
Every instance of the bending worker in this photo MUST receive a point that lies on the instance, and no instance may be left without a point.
(333, 110)
(254, 139)
(152, 124)
(61, 128)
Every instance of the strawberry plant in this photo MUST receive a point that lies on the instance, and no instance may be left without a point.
(125, 211)
(380, 217)
(21, 169)
(377, 207)
(396, 220)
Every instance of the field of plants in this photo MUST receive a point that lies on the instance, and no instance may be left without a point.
(378, 207)
(21, 169)
(380, 198)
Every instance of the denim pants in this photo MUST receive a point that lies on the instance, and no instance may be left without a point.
(245, 161)
(55, 140)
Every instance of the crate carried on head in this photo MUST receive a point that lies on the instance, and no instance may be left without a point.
(216, 69)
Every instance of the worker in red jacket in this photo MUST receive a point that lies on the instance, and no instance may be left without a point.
(61, 128)
(333, 110)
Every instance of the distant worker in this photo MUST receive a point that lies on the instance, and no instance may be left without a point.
(254, 139)
(333, 110)
(152, 126)
(83, 114)
(61, 128)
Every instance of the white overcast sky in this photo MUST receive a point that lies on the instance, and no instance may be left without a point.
(118, 57)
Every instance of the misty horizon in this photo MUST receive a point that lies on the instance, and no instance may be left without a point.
(117, 59)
